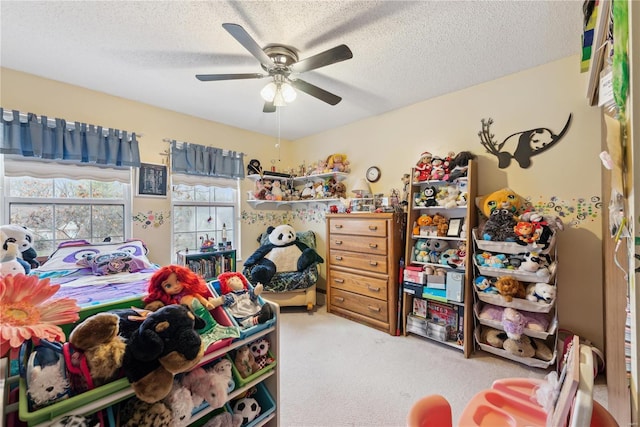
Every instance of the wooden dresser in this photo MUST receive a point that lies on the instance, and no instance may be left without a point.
(363, 254)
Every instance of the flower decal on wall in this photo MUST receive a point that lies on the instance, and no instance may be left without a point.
(27, 311)
(151, 219)
(573, 212)
(267, 218)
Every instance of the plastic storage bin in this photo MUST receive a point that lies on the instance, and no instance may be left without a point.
(214, 287)
(266, 402)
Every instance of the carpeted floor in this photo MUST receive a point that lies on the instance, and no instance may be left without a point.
(336, 372)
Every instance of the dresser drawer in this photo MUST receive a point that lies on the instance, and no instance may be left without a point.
(361, 304)
(359, 226)
(374, 263)
(363, 285)
(366, 244)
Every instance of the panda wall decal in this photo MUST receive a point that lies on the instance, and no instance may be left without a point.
(521, 146)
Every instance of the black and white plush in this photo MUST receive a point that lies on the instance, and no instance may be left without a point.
(23, 237)
(284, 252)
(499, 226)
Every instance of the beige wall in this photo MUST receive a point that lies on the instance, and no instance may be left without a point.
(567, 175)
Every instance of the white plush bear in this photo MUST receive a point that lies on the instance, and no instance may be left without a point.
(543, 293)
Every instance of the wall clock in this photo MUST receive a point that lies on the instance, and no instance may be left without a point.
(373, 174)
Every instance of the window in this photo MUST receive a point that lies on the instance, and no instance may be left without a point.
(59, 209)
(201, 212)
(61, 202)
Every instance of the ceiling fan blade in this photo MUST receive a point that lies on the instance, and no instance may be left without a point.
(328, 57)
(249, 43)
(215, 77)
(269, 107)
(316, 92)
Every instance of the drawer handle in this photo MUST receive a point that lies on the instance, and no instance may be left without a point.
(338, 225)
(376, 309)
(373, 245)
(338, 258)
(373, 227)
(338, 242)
(339, 299)
(338, 280)
(373, 288)
(373, 263)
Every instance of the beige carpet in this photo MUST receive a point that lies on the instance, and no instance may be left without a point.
(336, 372)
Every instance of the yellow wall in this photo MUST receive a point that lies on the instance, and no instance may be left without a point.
(568, 175)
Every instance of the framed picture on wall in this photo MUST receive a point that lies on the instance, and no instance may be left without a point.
(455, 227)
(152, 180)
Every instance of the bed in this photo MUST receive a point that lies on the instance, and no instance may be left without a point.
(97, 274)
(295, 288)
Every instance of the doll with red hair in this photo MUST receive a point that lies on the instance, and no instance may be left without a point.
(241, 300)
(176, 284)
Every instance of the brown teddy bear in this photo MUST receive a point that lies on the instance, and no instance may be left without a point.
(98, 338)
(509, 287)
(339, 190)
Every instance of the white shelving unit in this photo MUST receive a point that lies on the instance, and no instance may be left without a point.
(294, 182)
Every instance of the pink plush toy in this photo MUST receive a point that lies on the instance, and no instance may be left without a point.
(180, 402)
(206, 386)
(513, 323)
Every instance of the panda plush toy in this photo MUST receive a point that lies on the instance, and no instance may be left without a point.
(12, 233)
(284, 252)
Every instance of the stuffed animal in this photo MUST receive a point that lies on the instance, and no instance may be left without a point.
(241, 300)
(500, 226)
(46, 379)
(423, 167)
(244, 361)
(223, 368)
(98, 338)
(437, 169)
(449, 197)
(10, 261)
(534, 262)
(429, 196)
(180, 402)
(248, 408)
(205, 386)
(260, 351)
(339, 190)
(23, 237)
(224, 419)
(442, 224)
(76, 421)
(421, 251)
(542, 293)
(459, 165)
(284, 253)
(526, 233)
(504, 198)
(510, 287)
(542, 350)
(137, 413)
(254, 167)
(165, 343)
(521, 347)
(513, 323)
(484, 284)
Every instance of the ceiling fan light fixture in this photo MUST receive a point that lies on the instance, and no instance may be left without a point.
(268, 92)
(288, 92)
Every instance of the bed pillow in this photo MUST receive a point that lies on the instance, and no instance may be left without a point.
(68, 254)
(112, 263)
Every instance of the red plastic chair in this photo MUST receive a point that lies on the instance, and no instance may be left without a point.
(430, 411)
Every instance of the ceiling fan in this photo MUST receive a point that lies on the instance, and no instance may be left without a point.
(282, 64)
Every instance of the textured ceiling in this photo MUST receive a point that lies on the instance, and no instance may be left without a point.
(403, 51)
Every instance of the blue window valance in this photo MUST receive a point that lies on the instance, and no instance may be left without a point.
(193, 159)
(29, 135)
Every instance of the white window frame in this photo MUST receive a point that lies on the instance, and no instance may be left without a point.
(6, 200)
(194, 180)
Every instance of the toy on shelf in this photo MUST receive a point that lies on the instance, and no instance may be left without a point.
(24, 238)
(242, 300)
